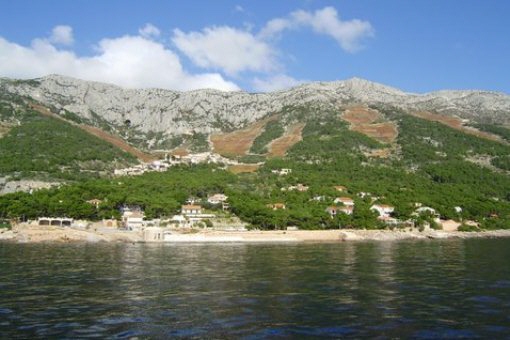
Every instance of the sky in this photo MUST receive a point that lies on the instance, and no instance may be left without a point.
(260, 45)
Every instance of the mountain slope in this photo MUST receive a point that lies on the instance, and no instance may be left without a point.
(39, 146)
(154, 118)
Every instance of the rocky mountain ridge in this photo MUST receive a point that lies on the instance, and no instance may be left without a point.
(205, 111)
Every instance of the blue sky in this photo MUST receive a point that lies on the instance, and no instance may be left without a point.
(417, 46)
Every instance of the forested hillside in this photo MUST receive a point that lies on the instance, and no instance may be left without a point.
(41, 147)
(428, 163)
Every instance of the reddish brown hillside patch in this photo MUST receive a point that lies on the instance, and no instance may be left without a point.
(116, 141)
(279, 146)
(361, 115)
(362, 119)
(181, 152)
(238, 143)
(243, 168)
(457, 124)
(382, 132)
(107, 137)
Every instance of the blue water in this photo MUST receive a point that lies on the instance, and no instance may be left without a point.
(412, 289)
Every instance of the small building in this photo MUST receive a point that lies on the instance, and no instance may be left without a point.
(192, 200)
(191, 209)
(110, 223)
(154, 234)
(55, 221)
(384, 210)
(95, 202)
(348, 209)
(134, 221)
(282, 172)
(277, 206)
(217, 199)
(334, 210)
(299, 187)
(390, 221)
(340, 188)
(426, 210)
(344, 200)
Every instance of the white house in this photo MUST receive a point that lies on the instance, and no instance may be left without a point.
(347, 209)
(154, 234)
(383, 210)
(217, 199)
(426, 210)
(132, 217)
(191, 209)
(282, 172)
(344, 200)
(133, 221)
(299, 187)
(333, 210)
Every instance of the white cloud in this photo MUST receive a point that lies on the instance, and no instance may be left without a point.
(129, 61)
(233, 50)
(149, 31)
(348, 34)
(239, 8)
(275, 83)
(62, 34)
(226, 48)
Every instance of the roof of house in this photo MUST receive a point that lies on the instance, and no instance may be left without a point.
(191, 207)
(276, 205)
(384, 206)
(95, 201)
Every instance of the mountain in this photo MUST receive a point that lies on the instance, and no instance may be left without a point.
(155, 117)
(444, 150)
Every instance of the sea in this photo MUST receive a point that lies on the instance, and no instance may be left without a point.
(432, 289)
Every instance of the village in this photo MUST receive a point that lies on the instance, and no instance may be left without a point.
(174, 160)
(213, 214)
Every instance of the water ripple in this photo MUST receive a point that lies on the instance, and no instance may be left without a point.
(415, 289)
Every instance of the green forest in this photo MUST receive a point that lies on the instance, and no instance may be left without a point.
(48, 148)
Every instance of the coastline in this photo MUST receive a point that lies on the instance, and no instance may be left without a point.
(36, 234)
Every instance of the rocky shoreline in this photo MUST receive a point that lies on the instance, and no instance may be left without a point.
(37, 234)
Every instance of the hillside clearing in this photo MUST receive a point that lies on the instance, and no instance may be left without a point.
(243, 168)
(4, 129)
(279, 146)
(114, 140)
(456, 123)
(363, 120)
(361, 115)
(238, 143)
